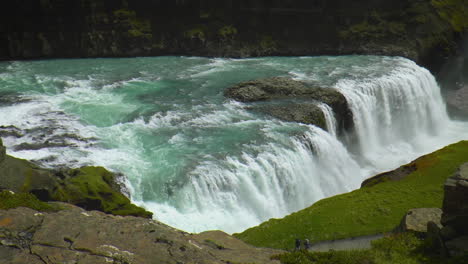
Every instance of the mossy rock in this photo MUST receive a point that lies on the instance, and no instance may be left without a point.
(21, 175)
(10, 200)
(93, 188)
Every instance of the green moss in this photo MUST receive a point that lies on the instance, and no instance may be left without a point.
(196, 33)
(267, 43)
(453, 11)
(138, 27)
(91, 188)
(9, 200)
(227, 32)
(402, 248)
(366, 211)
(375, 27)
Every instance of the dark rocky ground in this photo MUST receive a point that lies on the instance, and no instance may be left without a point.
(74, 235)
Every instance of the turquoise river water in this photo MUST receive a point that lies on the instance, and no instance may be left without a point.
(200, 161)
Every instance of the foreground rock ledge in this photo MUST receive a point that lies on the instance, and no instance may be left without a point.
(74, 235)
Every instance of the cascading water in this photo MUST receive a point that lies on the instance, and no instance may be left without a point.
(329, 118)
(200, 161)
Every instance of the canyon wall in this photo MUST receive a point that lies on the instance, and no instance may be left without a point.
(424, 30)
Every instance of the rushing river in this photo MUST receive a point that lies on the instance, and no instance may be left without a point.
(200, 161)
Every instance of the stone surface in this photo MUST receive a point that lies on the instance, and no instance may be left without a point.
(417, 219)
(457, 103)
(74, 235)
(455, 206)
(2, 151)
(293, 100)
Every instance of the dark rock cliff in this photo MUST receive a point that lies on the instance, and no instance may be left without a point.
(424, 30)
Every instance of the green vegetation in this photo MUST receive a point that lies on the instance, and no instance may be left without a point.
(9, 200)
(402, 248)
(138, 27)
(366, 211)
(375, 27)
(91, 188)
(268, 44)
(453, 11)
(227, 32)
(196, 33)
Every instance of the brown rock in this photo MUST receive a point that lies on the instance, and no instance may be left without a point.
(74, 235)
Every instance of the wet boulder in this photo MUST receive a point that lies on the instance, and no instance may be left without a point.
(306, 113)
(300, 100)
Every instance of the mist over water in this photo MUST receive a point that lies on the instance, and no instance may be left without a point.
(200, 161)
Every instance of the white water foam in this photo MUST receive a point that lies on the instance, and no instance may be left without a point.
(398, 115)
(397, 112)
(329, 118)
(233, 193)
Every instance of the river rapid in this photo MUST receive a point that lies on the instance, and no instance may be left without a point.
(200, 161)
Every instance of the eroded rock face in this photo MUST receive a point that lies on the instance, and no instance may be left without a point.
(293, 100)
(77, 236)
(419, 30)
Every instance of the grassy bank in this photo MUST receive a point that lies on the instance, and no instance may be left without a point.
(402, 248)
(366, 211)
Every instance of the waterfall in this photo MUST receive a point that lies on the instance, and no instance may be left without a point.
(329, 118)
(201, 162)
(257, 186)
(400, 106)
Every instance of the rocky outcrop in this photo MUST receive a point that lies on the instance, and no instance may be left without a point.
(293, 100)
(457, 103)
(93, 188)
(455, 206)
(74, 235)
(394, 175)
(416, 220)
(452, 238)
(422, 30)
